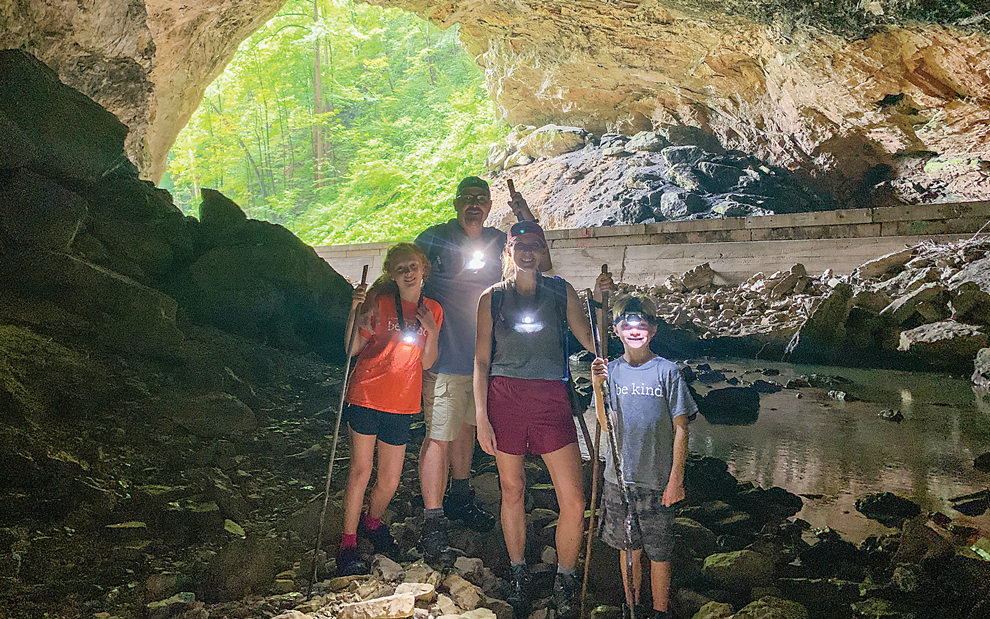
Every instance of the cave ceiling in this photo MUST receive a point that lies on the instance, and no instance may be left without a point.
(828, 92)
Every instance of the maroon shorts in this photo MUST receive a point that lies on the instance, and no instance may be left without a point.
(530, 415)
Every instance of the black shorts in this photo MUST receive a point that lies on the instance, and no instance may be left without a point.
(390, 428)
(652, 523)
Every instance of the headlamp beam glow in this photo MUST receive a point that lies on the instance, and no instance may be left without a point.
(477, 261)
(632, 320)
(410, 336)
(527, 323)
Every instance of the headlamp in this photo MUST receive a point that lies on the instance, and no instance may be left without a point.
(527, 323)
(634, 320)
(477, 261)
(410, 336)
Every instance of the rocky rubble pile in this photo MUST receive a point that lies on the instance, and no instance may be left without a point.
(575, 179)
(927, 306)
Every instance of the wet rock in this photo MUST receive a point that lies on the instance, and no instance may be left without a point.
(832, 556)
(772, 505)
(887, 508)
(822, 336)
(37, 211)
(731, 406)
(919, 542)
(742, 569)
(766, 386)
(64, 133)
(982, 462)
(772, 608)
(695, 536)
(972, 504)
(710, 376)
(891, 415)
(946, 344)
(827, 597)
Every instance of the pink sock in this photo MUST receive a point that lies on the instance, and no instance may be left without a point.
(348, 540)
(370, 523)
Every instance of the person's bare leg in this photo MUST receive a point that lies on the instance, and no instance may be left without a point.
(512, 478)
(433, 465)
(637, 578)
(361, 463)
(461, 452)
(390, 459)
(564, 466)
(660, 583)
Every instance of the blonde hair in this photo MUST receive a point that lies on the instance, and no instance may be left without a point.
(396, 254)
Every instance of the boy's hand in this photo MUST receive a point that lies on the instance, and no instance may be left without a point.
(599, 371)
(673, 493)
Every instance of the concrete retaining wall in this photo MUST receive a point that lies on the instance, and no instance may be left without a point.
(736, 248)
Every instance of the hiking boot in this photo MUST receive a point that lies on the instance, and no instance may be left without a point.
(642, 612)
(565, 595)
(380, 538)
(350, 563)
(660, 614)
(464, 508)
(434, 543)
(518, 596)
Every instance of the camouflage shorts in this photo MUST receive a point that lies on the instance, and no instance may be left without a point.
(652, 524)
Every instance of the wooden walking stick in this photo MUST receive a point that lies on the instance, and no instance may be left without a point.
(349, 349)
(600, 335)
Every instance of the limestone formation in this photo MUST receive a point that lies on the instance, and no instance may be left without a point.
(855, 96)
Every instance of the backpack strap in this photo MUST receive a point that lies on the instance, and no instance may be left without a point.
(497, 295)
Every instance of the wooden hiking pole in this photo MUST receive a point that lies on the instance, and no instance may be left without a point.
(601, 344)
(545, 263)
(349, 349)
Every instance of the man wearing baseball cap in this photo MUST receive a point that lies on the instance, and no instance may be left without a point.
(465, 257)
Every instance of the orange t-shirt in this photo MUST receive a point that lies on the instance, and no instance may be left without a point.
(388, 374)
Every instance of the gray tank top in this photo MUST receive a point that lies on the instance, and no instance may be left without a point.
(527, 335)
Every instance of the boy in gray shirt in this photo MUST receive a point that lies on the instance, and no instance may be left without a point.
(652, 407)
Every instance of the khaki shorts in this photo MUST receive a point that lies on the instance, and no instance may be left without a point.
(448, 404)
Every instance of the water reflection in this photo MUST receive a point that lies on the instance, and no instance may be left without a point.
(833, 452)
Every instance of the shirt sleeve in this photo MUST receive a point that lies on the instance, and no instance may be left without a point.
(679, 397)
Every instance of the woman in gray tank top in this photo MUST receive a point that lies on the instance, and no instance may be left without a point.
(522, 404)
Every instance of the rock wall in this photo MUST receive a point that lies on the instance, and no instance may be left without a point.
(845, 105)
(848, 94)
(148, 62)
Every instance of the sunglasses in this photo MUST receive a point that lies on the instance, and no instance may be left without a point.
(477, 199)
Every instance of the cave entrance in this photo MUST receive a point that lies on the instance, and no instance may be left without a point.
(342, 121)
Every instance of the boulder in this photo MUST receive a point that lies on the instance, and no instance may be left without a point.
(694, 536)
(902, 310)
(552, 140)
(742, 569)
(731, 406)
(884, 264)
(646, 141)
(125, 312)
(970, 304)
(919, 542)
(37, 211)
(948, 345)
(258, 280)
(821, 338)
(887, 508)
(772, 608)
(683, 176)
(214, 415)
(698, 277)
(688, 155)
(70, 136)
(977, 272)
(464, 594)
(684, 135)
(681, 203)
(714, 610)
(718, 178)
(218, 212)
(241, 567)
(389, 607)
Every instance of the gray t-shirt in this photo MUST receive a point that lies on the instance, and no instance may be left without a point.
(527, 333)
(461, 269)
(646, 398)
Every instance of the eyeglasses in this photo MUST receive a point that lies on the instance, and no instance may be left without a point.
(477, 199)
(533, 247)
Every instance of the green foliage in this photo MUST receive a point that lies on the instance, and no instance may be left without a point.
(404, 116)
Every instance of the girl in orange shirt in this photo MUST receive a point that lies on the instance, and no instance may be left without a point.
(396, 339)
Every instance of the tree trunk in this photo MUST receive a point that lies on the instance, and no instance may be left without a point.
(317, 105)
